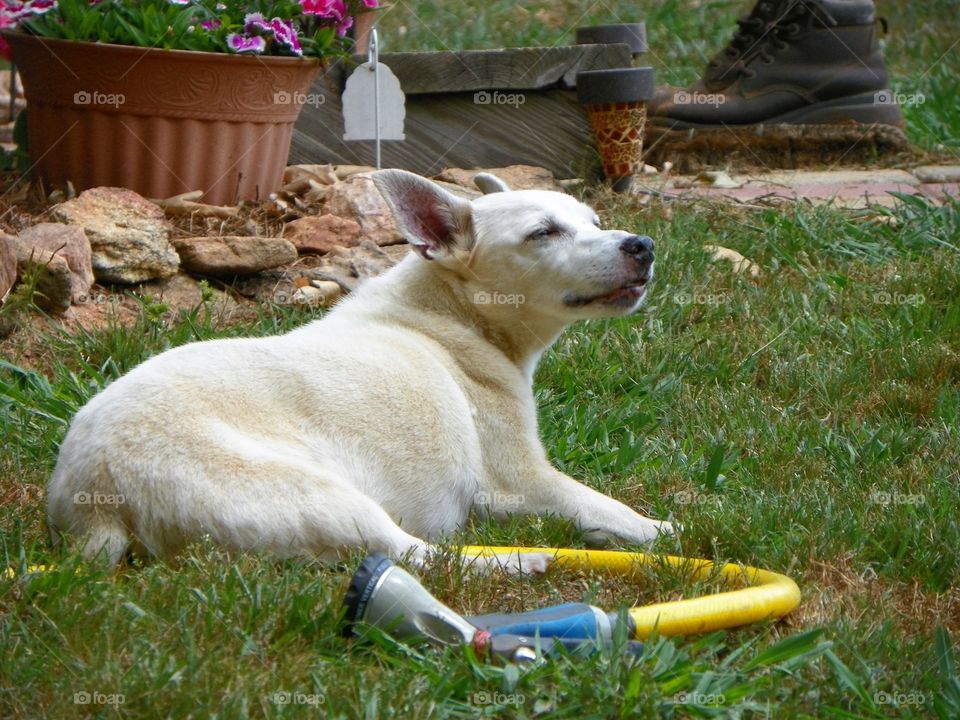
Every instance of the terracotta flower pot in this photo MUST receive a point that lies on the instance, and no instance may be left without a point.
(159, 122)
(615, 101)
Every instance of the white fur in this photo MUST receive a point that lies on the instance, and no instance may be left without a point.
(379, 425)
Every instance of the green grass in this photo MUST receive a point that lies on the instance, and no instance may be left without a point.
(805, 421)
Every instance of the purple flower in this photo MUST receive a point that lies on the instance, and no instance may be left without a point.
(179, 2)
(242, 43)
(212, 24)
(255, 21)
(285, 34)
(370, 4)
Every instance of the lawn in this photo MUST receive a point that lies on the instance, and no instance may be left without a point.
(806, 421)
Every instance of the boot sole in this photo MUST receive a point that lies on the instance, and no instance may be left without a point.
(865, 109)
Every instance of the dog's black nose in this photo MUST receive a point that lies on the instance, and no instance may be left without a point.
(640, 246)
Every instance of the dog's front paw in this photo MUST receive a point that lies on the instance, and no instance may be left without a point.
(645, 532)
(664, 528)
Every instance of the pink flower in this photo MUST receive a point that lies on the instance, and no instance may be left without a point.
(210, 24)
(336, 9)
(344, 25)
(370, 4)
(242, 43)
(285, 34)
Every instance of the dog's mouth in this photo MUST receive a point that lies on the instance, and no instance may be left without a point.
(626, 294)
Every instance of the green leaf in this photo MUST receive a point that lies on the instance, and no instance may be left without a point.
(785, 649)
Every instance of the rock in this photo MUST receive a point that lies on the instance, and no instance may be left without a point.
(70, 242)
(719, 179)
(349, 267)
(54, 281)
(129, 236)
(938, 173)
(8, 265)
(329, 290)
(325, 295)
(518, 177)
(358, 199)
(233, 255)
(739, 262)
(318, 173)
(319, 235)
(180, 291)
(345, 171)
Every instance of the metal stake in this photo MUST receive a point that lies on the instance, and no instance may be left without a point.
(372, 55)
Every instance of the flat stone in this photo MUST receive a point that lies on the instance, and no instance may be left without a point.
(8, 265)
(232, 255)
(129, 236)
(319, 235)
(54, 280)
(806, 178)
(517, 177)
(69, 241)
(937, 173)
(358, 199)
(851, 196)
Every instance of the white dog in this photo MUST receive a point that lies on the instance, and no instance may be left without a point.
(382, 425)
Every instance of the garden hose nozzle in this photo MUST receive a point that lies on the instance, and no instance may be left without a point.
(386, 596)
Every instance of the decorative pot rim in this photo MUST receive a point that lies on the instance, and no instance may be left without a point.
(156, 82)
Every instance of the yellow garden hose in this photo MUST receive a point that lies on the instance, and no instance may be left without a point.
(768, 596)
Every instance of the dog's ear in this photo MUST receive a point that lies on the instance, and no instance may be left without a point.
(490, 183)
(429, 217)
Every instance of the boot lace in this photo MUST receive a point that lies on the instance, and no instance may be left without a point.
(779, 32)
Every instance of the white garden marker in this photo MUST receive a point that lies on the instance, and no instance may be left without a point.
(373, 102)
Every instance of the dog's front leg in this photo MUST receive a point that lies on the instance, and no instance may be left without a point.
(601, 517)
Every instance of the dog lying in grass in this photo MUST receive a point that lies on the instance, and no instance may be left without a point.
(382, 425)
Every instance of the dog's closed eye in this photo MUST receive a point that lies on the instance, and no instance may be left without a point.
(544, 232)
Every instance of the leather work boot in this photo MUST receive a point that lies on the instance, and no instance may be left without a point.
(807, 62)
